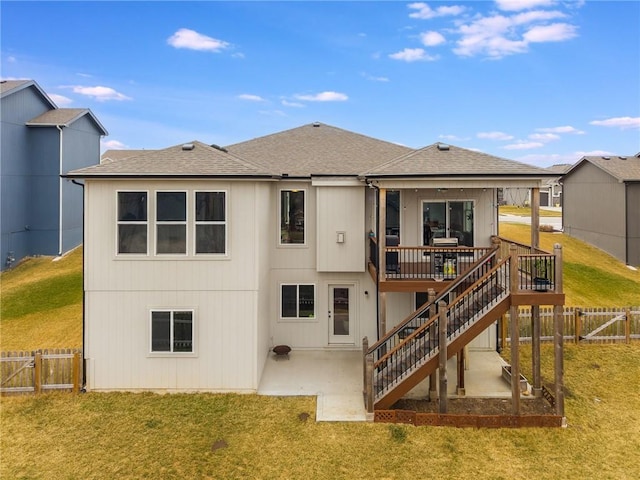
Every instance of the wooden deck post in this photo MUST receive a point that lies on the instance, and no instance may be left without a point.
(442, 367)
(535, 219)
(514, 332)
(369, 375)
(382, 261)
(461, 359)
(433, 389)
(558, 334)
(535, 350)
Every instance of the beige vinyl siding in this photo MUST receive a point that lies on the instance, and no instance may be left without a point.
(230, 334)
(341, 211)
(594, 209)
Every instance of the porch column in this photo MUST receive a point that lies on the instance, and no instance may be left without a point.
(535, 219)
(442, 346)
(382, 261)
(433, 389)
(535, 350)
(558, 334)
(515, 333)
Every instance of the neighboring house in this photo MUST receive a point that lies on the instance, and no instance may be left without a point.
(199, 259)
(602, 204)
(550, 192)
(41, 213)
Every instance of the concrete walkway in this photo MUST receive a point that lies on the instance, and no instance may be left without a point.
(335, 377)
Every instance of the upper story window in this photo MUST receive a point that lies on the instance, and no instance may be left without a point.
(171, 222)
(292, 213)
(132, 222)
(211, 222)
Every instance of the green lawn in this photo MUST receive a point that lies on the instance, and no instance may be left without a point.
(526, 211)
(132, 436)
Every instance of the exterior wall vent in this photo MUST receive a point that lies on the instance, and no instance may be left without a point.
(188, 146)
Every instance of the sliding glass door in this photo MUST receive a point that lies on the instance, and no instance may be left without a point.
(448, 219)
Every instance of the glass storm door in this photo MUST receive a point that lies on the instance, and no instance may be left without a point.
(341, 329)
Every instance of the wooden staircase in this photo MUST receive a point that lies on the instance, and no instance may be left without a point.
(410, 352)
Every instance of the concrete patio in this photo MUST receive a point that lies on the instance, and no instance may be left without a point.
(335, 377)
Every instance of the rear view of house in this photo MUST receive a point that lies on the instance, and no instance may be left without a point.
(200, 259)
(41, 214)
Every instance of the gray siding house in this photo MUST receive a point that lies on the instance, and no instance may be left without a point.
(41, 214)
(602, 204)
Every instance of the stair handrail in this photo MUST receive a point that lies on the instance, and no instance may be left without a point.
(479, 264)
(435, 317)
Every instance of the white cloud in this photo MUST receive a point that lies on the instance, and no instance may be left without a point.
(562, 129)
(544, 137)
(556, 32)
(412, 55)
(11, 59)
(495, 136)
(451, 138)
(287, 103)
(619, 122)
(60, 100)
(323, 97)
(112, 145)
(101, 94)
(517, 5)
(431, 39)
(251, 98)
(425, 12)
(192, 40)
(523, 145)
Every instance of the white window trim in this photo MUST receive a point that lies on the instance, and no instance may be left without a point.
(298, 318)
(157, 223)
(225, 223)
(119, 222)
(279, 232)
(194, 333)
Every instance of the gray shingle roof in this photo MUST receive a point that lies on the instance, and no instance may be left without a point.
(447, 160)
(113, 155)
(317, 150)
(9, 85)
(622, 168)
(64, 117)
(201, 160)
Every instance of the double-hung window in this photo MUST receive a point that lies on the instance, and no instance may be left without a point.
(292, 213)
(298, 301)
(171, 222)
(211, 223)
(172, 331)
(132, 222)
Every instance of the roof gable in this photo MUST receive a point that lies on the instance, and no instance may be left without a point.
(317, 149)
(194, 159)
(448, 160)
(623, 169)
(64, 117)
(9, 87)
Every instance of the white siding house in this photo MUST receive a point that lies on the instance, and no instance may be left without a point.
(200, 259)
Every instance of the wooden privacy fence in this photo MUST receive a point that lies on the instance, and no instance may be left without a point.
(41, 370)
(581, 325)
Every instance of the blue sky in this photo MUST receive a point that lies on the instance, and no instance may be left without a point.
(539, 81)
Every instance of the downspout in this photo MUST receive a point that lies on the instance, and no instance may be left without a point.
(84, 293)
(60, 172)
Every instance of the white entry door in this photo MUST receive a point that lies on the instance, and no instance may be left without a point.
(341, 314)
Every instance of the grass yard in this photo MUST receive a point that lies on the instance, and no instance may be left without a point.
(133, 436)
(526, 211)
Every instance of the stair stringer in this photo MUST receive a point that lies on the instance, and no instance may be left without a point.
(453, 347)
